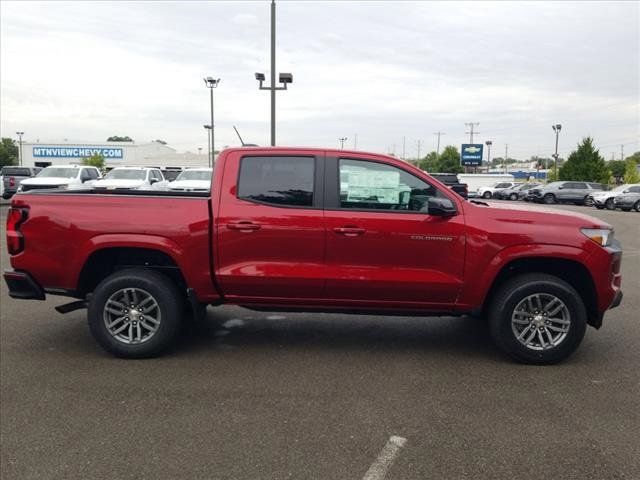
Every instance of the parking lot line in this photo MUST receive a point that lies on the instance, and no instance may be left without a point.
(378, 469)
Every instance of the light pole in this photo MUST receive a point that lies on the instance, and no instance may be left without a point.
(556, 128)
(20, 150)
(506, 155)
(488, 143)
(208, 127)
(342, 140)
(284, 78)
(212, 83)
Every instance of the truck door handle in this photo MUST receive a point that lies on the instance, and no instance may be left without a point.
(349, 231)
(243, 226)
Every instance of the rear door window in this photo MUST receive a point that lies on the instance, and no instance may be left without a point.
(280, 181)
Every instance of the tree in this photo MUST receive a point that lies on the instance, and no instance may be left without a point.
(449, 160)
(116, 138)
(95, 160)
(8, 152)
(585, 164)
(631, 174)
(429, 163)
(617, 168)
(635, 157)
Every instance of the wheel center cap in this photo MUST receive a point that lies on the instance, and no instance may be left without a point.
(134, 314)
(538, 320)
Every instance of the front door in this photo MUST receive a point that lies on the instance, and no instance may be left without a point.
(270, 229)
(383, 248)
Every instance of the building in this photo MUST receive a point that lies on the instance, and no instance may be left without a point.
(115, 154)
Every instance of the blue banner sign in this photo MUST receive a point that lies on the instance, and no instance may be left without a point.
(76, 152)
(471, 155)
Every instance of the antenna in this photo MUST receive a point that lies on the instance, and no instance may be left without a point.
(238, 133)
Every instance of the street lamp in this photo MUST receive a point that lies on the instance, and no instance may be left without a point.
(342, 140)
(284, 78)
(20, 151)
(212, 83)
(556, 128)
(208, 127)
(488, 143)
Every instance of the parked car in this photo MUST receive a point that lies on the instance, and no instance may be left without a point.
(451, 181)
(132, 178)
(628, 201)
(475, 181)
(605, 199)
(192, 180)
(517, 192)
(487, 192)
(11, 176)
(310, 229)
(64, 177)
(564, 192)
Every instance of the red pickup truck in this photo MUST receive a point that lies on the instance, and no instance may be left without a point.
(313, 230)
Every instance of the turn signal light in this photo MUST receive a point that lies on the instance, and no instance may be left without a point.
(15, 239)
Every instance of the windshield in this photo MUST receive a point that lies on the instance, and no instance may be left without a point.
(59, 172)
(126, 174)
(195, 175)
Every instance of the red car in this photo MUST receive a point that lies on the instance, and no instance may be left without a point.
(311, 229)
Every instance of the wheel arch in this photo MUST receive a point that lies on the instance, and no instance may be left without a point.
(570, 270)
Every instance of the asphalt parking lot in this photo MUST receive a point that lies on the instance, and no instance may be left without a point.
(254, 395)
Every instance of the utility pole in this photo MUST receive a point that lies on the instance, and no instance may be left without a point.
(438, 148)
(20, 151)
(556, 128)
(418, 149)
(470, 132)
(612, 156)
(506, 155)
(404, 157)
(488, 143)
(212, 83)
(621, 151)
(355, 141)
(342, 140)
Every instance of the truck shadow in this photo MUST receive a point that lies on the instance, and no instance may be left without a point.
(229, 328)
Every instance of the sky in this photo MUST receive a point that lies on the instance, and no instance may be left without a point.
(386, 73)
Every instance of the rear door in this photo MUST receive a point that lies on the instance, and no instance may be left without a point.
(383, 248)
(270, 227)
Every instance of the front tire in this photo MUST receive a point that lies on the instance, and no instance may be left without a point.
(135, 313)
(537, 319)
(549, 198)
(636, 206)
(513, 196)
(486, 195)
(609, 204)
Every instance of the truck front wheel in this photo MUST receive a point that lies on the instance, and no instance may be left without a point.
(135, 313)
(537, 319)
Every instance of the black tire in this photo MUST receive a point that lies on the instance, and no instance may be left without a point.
(609, 204)
(636, 206)
(516, 290)
(513, 196)
(169, 303)
(549, 198)
(486, 195)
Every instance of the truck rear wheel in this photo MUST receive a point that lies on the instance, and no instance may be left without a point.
(537, 319)
(135, 313)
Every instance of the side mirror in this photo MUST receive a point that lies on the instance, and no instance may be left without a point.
(153, 180)
(441, 207)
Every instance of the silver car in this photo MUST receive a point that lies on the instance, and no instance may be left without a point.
(565, 192)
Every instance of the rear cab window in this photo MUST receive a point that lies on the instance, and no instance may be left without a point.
(286, 181)
(15, 171)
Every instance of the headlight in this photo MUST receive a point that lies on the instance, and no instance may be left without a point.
(602, 236)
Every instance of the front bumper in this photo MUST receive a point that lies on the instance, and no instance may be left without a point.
(23, 286)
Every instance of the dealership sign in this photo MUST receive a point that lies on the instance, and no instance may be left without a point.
(471, 155)
(76, 152)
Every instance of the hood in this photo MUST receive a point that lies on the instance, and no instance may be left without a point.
(540, 216)
(118, 183)
(47, 181)
(605, 193)
(190, 184)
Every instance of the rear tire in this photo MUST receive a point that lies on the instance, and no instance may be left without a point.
(609, 204)
(512, 314)
(135, 313)
(549, 198)
(513, 196)
(486, 195)
(636, 206)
